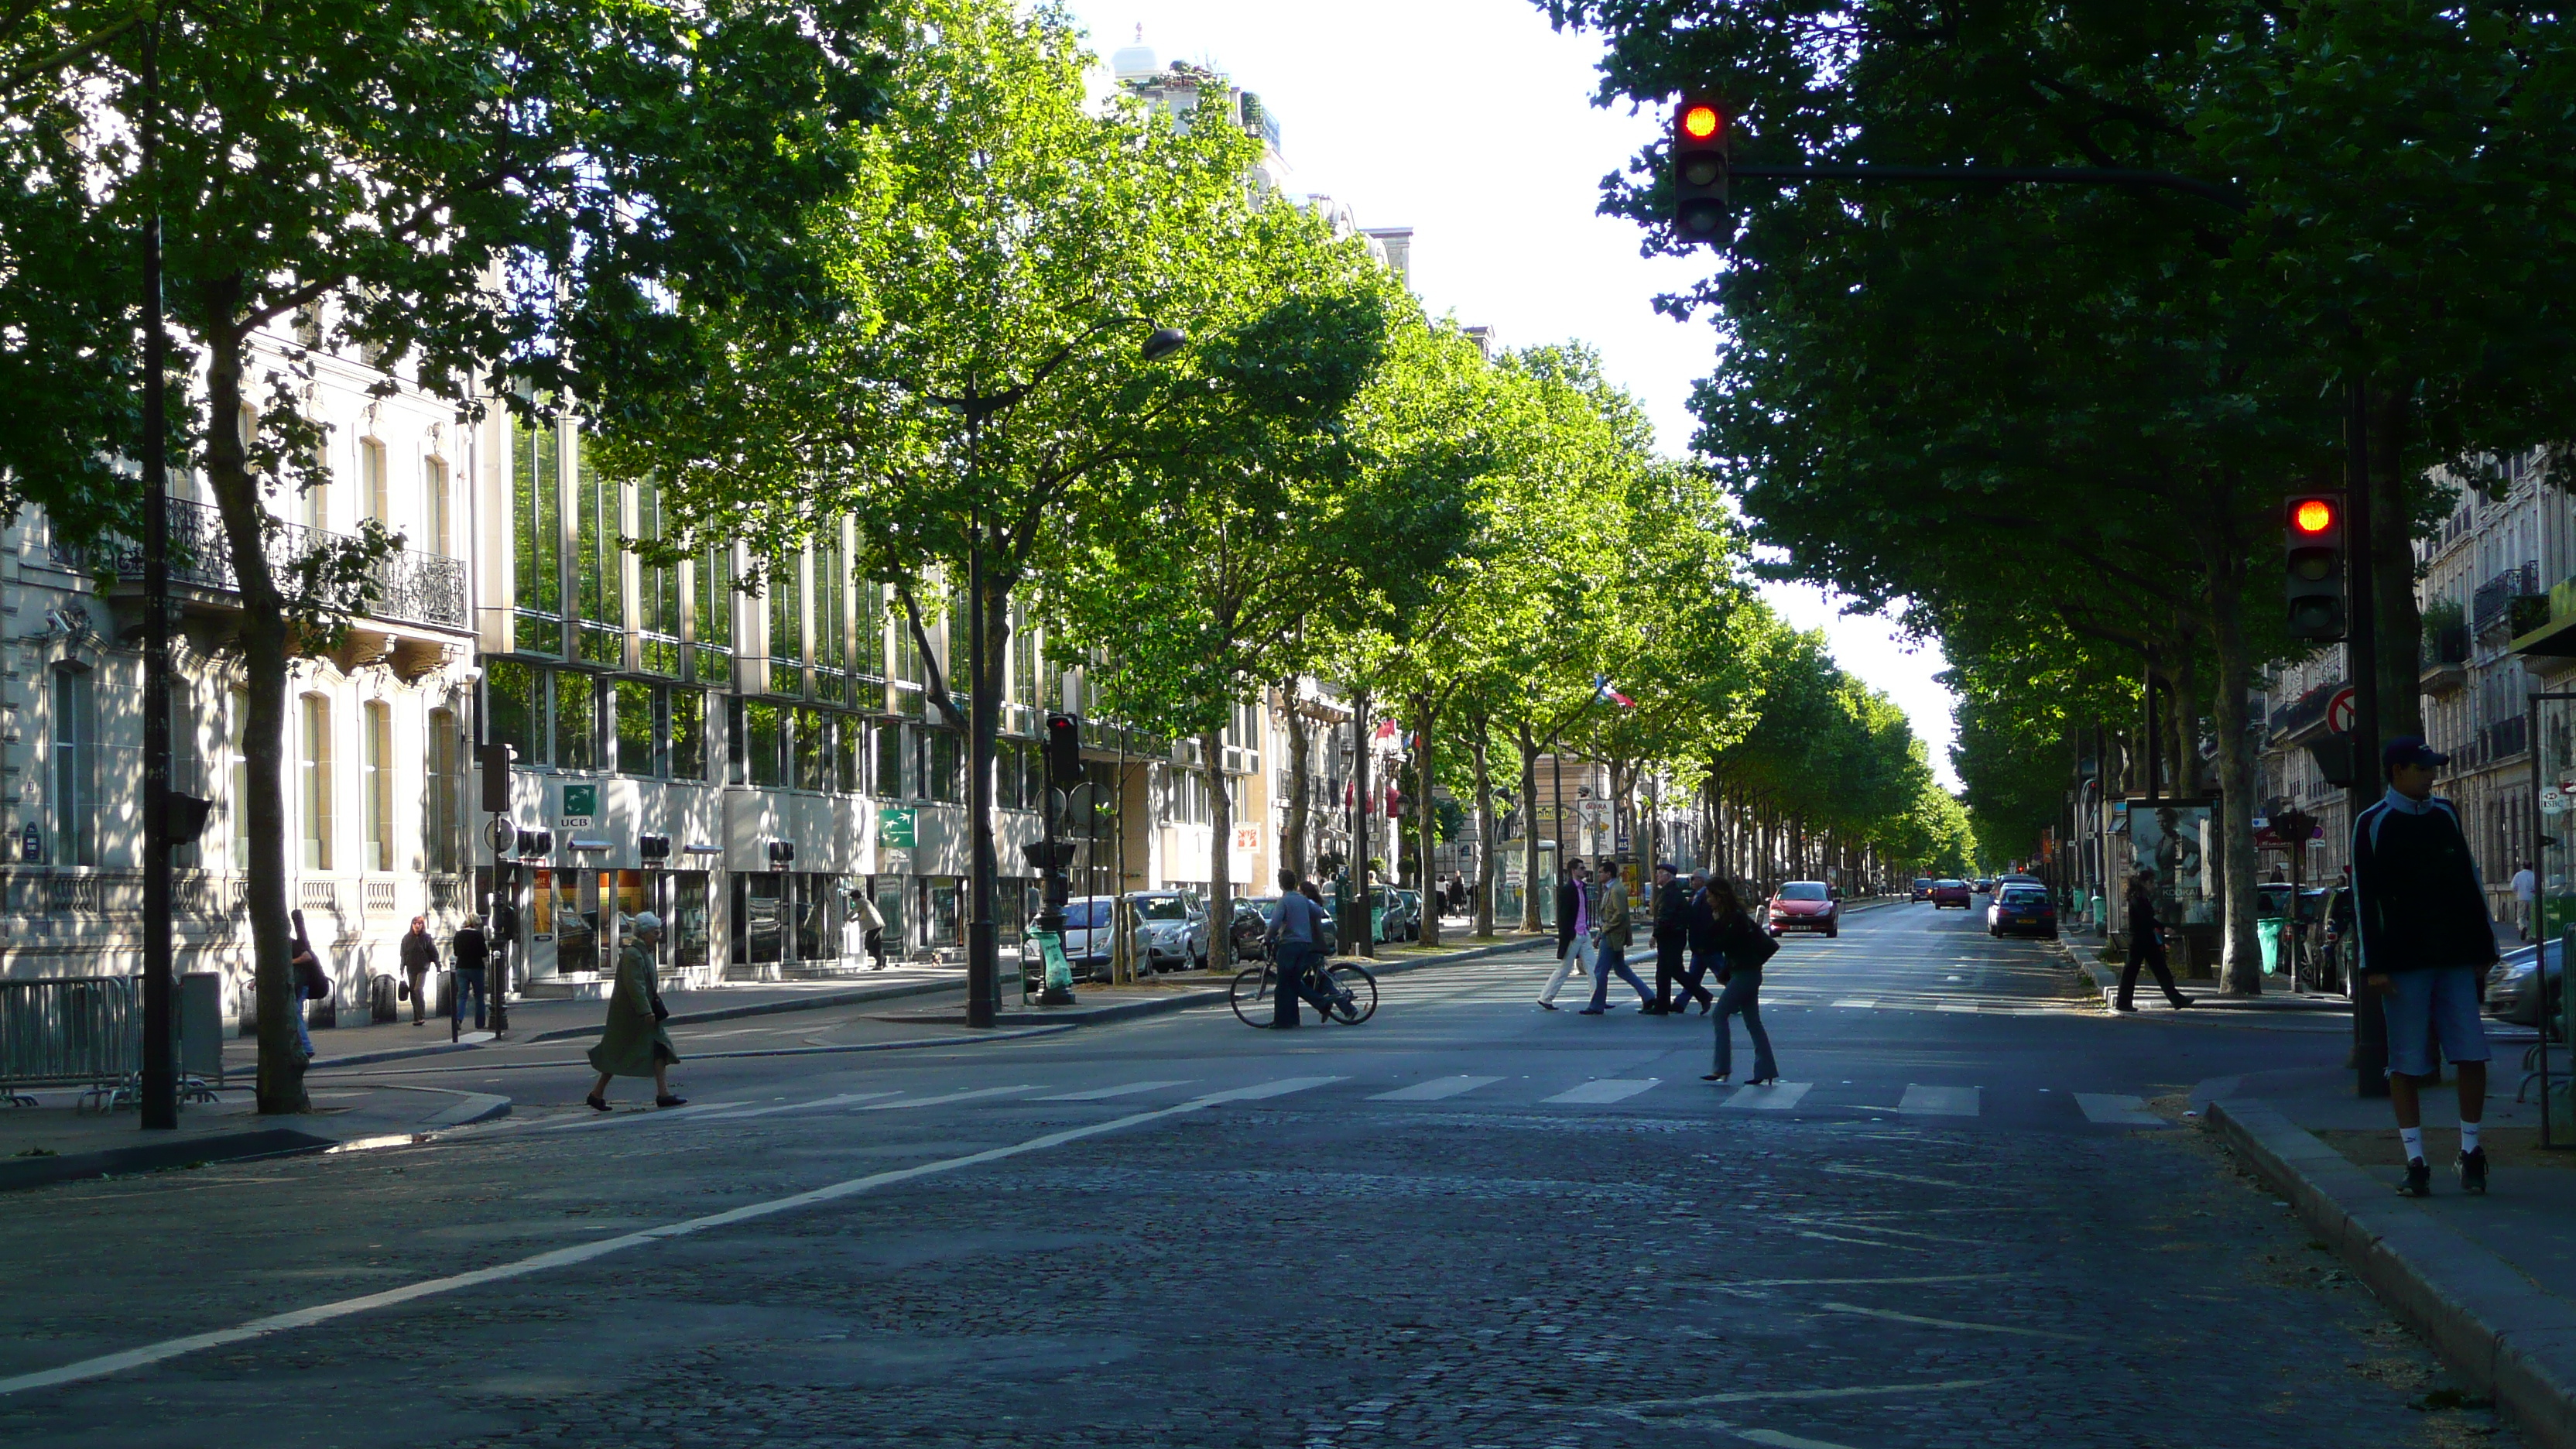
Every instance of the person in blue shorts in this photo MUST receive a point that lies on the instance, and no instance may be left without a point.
(2426, 941)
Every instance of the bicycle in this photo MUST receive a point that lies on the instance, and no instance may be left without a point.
(1349, 992)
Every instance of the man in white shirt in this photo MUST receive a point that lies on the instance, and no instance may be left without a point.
(2525, 885)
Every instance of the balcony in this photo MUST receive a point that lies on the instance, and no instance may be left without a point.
(2446, 659)
(2492, 607)
(2503, 740)
(404, 586)
(2294, 722)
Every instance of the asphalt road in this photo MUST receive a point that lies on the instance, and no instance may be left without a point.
(1967, 1217)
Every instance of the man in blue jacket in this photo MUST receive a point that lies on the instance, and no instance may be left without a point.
(2425, 941)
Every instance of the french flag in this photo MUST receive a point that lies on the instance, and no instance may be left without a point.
(1601, 690)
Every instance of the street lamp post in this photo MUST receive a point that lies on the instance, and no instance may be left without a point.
(160, 1083)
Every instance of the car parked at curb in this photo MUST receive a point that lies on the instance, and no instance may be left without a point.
(2513, 984)
(1171, 930)
(1806, 905)
(1252, 918)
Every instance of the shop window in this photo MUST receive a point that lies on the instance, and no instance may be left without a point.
(943, 918)
(760, 918)
(690, 926)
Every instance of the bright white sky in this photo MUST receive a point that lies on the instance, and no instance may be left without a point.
(1472, 122)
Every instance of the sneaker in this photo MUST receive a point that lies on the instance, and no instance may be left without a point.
(2473, 1171)
(2419, 1180)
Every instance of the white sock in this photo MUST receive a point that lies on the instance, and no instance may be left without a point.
(2413, 1137)
(2468, 1137)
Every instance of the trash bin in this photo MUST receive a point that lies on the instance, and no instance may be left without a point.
(2267, 929)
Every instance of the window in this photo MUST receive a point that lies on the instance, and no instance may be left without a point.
(764, 731)
(435, 525)
(889, 781)
(1024, 656)
(1006, 774)
(688, 734)
(378, 785)
(947, 766)
(599, 568)
(75, 750)
(372, 492)
(313, 500)
(870, 653)
(237, 751)
(514, 709)
(576, 721)
(445, 817)
(638, 704)
(831, 626)
(315, 779)
(711, 617)
(787, 624)
(657, 599)
(849, 754)
(536, 530)
(187, 762)
(813, 759)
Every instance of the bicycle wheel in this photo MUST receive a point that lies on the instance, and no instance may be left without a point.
(1354, 994)
(1251, 993)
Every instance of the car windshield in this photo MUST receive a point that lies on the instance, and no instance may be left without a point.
(2024, 896)
(1803, 890)
(1263, 906)
(1162, 908)
(1923, 881)
(1085, 915)
(1951, 885)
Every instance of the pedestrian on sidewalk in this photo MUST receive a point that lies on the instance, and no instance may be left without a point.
(871, 923)
(1574, 942)
(1743, 947)
(312, 983)
(635, 1043)
(2146, 946)
(1612, 926)
(1296, 934)
(419, 956)
(466, 953)
(2425, 939)
(1672, 942)
(2525, 886)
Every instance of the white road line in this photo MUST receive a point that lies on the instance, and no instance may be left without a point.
(1951, 1323)
(1778, 1440)
(730, 1116)
(1777, 1097)
(1923, 1101)
(2113, 1110)
(1102, 1094)
(952, 1097)
(1956, 1006)
(673, 1114)
(1438, 1089)
(1606, 1089)
(1863, 1003)
(149, 1354)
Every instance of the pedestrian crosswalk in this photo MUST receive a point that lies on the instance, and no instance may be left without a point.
(1601, 1091)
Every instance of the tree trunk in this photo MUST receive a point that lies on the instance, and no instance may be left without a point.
(2241, 957)
(2392, 570)
(1425, 715)
(1480, 752)
(1357, 938)
(1220, 947)
(1531, 885)
(2182, 721)
(264, 644)
(1292, 850)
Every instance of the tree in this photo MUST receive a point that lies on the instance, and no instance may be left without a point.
(463, 187)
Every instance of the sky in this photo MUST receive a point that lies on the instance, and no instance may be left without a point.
(1472, 122)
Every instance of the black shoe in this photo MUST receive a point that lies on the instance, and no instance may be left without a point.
(2122, 1006)
(1547, 1006)
(596, 1104)
(1589, 1011)
(2419, 1180)
(670, 1101)
(2180, 1002)
(2473, 1170)
(1717, 1077)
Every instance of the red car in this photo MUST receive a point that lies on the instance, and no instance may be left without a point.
(1950, 893)
(1806, 905)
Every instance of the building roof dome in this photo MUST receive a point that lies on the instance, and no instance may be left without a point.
(1136, 61)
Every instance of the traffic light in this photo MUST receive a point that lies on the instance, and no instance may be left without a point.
(1699, 171)
(2312, 542)
(1063, 751)
(186, 818)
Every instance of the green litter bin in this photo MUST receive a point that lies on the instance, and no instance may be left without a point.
(2267, 929)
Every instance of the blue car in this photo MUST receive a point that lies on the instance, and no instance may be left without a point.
(2022, 909)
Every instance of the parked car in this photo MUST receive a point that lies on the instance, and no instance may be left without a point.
(2513, 984)
(1922, 889)
(1171, 930)
(1949, 893)
(1806, 905)
(1409, 903)
(1259, 912)
(1087, 939)
(2022, 908)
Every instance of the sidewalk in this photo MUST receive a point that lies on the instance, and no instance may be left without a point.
(2276, 996)
(54, 1141)
(2491, 1280)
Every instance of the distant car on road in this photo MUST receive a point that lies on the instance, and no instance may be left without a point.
(1922, 889)
(2022, 909)
(1949, 893)
(1806, 905)
(1985, 885)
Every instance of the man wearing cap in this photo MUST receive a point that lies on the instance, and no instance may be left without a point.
(2421, 916)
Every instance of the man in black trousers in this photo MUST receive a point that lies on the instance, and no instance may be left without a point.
(1672, 939)
(2146, 946)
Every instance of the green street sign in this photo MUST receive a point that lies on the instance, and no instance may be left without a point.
(898, 827)
(580, 801)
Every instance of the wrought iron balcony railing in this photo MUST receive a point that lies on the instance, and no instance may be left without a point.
(406, 585)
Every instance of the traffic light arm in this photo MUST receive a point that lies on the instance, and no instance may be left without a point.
(2226, 196)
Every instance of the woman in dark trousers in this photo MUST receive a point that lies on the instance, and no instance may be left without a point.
(1745, 946)
(311, 983)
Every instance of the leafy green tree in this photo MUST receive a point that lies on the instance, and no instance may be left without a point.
(464, 188)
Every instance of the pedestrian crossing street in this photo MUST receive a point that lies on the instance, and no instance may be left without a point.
(1517, 982)
(1931, 1102)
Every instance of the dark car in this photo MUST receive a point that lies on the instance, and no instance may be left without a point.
(1806, 905)
(1950, 893)
(1252, 918)
(2022, 909)
(1922, 889)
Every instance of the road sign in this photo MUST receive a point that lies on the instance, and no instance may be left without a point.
(2339, 711)
(501, 835)
(898, 826)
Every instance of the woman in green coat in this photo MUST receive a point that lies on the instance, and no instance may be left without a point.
(635, 1045)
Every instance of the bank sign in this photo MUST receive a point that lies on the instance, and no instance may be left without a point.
(898, 827)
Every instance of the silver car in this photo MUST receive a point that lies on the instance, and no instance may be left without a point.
(2513, 984)
(1171, 930)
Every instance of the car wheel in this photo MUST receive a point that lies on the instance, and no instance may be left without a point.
(1833, 933)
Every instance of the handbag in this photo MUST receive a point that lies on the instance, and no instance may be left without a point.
(1757, 946)
(402, 991)
(653, 994)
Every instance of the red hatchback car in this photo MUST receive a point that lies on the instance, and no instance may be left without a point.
(1950, 893)
(1806, 905)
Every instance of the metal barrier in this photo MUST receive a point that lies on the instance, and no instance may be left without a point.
(85, 1029)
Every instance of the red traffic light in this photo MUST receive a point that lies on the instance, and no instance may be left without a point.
(2312, 516)
(1700, 120)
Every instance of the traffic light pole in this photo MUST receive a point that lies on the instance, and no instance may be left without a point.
(2361, 655)
(160, 1084)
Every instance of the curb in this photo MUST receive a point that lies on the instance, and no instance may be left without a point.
(1049, 1029)
(2489, 1323)
(821, 1000)
(2107, 981)
(24, 1172)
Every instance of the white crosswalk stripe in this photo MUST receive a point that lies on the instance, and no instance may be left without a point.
(1606, 1089)
(1922, 1101)
(968, 1096)
(2113, 1110)
(1439, 1089)
(1103, 1094)
(1777, 1097)
(1861, 1002)
(729, 1114)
